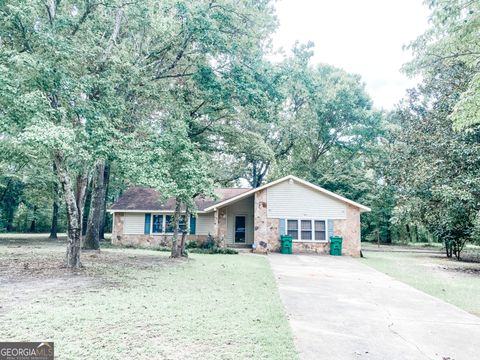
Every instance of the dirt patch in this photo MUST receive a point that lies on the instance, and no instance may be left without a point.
(443, 264)
(29, 269)
(475, 271)
(30, 272)
(25, 262)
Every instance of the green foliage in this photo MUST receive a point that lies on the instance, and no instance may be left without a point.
(141, 84)
(452, 41)
(213, 250)
(192, 244)
(434, 168)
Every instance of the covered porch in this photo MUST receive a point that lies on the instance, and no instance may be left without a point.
(234, 223)
(244, 222)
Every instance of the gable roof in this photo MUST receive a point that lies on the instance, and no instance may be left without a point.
(148, 199)
(362, 208)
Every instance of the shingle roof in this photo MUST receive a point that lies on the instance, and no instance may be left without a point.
(141, 198)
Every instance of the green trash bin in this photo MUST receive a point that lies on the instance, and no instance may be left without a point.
(336, 245)
(286, 244)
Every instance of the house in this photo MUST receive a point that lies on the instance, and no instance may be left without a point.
(250, 217)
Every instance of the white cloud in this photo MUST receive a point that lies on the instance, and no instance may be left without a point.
(360, 36)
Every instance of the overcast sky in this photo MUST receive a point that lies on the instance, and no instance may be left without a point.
(360, 36)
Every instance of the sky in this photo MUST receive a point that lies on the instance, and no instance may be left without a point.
(361, 36)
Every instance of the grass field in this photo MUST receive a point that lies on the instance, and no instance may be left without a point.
(430, 271)
(139, 304)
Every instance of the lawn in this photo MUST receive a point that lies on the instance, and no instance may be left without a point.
(431, 272)
(139, 304)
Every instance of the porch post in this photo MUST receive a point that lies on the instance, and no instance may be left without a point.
(220, 226)
(215, 223)
(266, 230)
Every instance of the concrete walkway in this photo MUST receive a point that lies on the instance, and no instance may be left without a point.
(341, 309)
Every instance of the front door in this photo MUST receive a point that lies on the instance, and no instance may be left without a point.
(240, 222)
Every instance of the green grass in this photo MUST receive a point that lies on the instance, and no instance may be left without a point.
(455, 282)
(139, 304)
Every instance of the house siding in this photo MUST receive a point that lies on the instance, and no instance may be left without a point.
(293, 200)
(134, 223)
(205, 224)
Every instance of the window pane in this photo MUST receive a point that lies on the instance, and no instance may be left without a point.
(169, 223)
(292, 228)
(182, 223)
(320, 230)
(306, 229)
(292, 225)
(319, 225)
(157, 224)
(306, 225)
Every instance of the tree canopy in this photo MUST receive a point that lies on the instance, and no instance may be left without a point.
(180, 96)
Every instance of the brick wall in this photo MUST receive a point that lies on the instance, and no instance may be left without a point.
(266, 230)
(349, 230)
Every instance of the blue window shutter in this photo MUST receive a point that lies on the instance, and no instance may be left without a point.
(147, 223)
(193, 224)
(282, 227)
(330, 228)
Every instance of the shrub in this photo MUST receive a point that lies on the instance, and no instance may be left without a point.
(192, 244)
(213, 250)
(162, 248)
(210, 243)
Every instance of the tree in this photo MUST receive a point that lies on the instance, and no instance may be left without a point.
(92, 238)
(432, 165)
(77, 77)
(435, 168)
(450, 42)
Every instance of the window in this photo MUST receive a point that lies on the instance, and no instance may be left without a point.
(169, 223)
(157, 224)
(320, 230)
(292, 228)
(306, 229)
(182, 223)
(309, 230)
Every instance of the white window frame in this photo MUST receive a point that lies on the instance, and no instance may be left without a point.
(299, 227)
(326, 230)
(164, 223)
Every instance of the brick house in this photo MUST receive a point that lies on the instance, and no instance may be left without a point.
(245, 217)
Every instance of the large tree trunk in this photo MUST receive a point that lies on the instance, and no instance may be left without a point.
(74, 215)
(176, 251)
(92, 240)
(33, 224)
(407, 227)
(54, 226)
(10, 213)
(86, 208)
(184, 234)
(106, 183)
(82, 183)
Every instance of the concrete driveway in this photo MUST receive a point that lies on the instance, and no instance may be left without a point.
(341, 309)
